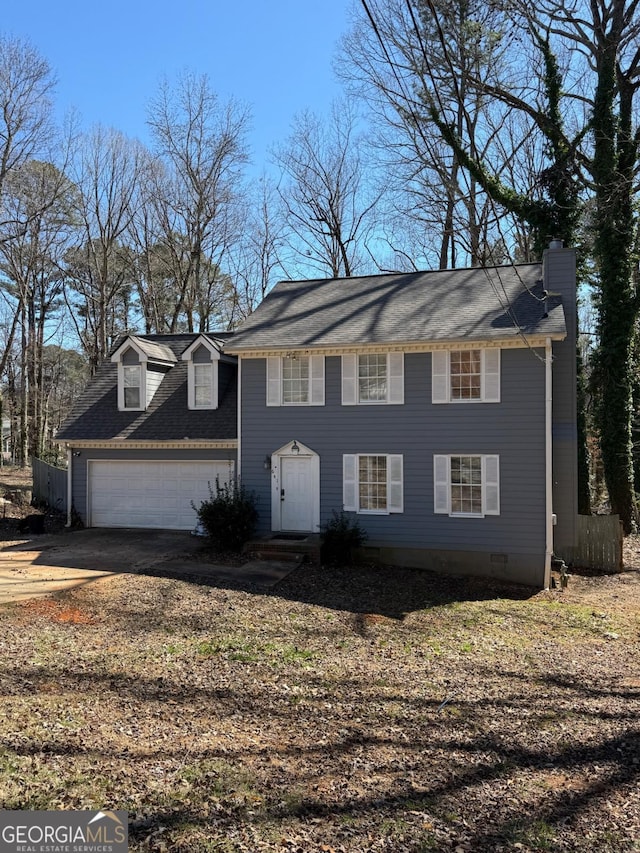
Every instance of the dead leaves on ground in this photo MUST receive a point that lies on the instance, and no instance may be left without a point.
(345, 711)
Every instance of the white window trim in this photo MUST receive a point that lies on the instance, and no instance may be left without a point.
(490, 377)
(351, 385)
(191, 385)
(315, 380)
(490, 485)
(143, 387)
(191, 390)
(351, 483)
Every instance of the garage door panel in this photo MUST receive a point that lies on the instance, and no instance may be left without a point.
(151, 494)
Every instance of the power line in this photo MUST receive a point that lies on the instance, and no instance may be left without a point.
(504, 301)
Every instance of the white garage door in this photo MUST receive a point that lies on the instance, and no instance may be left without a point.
(151, 494)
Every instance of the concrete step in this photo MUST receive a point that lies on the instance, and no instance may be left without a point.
(279, 556)
(293, 547)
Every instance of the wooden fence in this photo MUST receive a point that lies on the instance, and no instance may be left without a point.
(599, 543)
(49, 485)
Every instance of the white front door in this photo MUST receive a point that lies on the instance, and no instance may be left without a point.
(296, 493)
(295, 489)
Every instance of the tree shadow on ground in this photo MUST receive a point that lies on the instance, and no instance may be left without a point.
(389, 591)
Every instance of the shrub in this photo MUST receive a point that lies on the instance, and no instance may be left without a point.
(339, 536)
(229, 516)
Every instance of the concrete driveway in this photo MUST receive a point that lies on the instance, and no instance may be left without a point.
(48, 564)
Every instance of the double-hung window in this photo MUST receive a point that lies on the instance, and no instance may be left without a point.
(465, 376)
(370, 378)
(203, 359)
(466, 485)
(372, 483)
(203, 386)
(295, 380)
(132, 386)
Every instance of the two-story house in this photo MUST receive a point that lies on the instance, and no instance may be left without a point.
(437, 407)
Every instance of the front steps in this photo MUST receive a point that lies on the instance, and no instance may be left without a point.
(286, 547)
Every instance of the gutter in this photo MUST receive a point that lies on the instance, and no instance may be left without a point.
(548, 423)
(239, 422)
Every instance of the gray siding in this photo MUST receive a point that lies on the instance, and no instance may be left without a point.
(418, 429)
(79, 466)
(201, 355)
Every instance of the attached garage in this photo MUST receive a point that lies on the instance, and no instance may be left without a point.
(151, 493)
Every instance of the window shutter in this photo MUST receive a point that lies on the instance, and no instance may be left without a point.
(316, 372)
(491, 483)
(349, 379)
(396, 377)
(491, 375)
(440, 376)
(441, 490)
(350, 482)
(274, 397)
(394, 483)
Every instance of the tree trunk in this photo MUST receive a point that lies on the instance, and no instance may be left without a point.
(613, 177)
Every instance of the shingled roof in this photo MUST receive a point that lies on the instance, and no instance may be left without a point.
(154, 350)
(95, 417)
(487, 304)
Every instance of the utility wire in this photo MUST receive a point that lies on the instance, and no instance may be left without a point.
(503, 300)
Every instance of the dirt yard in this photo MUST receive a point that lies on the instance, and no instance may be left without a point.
(345, 710)
(354, 710)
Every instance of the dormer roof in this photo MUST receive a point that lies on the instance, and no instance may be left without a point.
(95, 416)
(214, 347)
(148, 350)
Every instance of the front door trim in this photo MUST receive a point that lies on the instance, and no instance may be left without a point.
(295, 450)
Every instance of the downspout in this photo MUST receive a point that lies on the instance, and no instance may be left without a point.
(239, 423)
(548, 423)
(69, 479)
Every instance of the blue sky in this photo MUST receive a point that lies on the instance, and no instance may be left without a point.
(274, 55)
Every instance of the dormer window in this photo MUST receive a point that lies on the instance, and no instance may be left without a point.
(131, 376)
(132, 379)
(203, 386)
(202, 359)
(142, 365)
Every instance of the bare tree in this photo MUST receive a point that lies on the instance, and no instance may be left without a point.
(572, 91)
(197, 196)
(409, 62)
(26, 88)
(107, 170)
(328, 205)
(438, 213)
(40, 201)
(258, 260)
